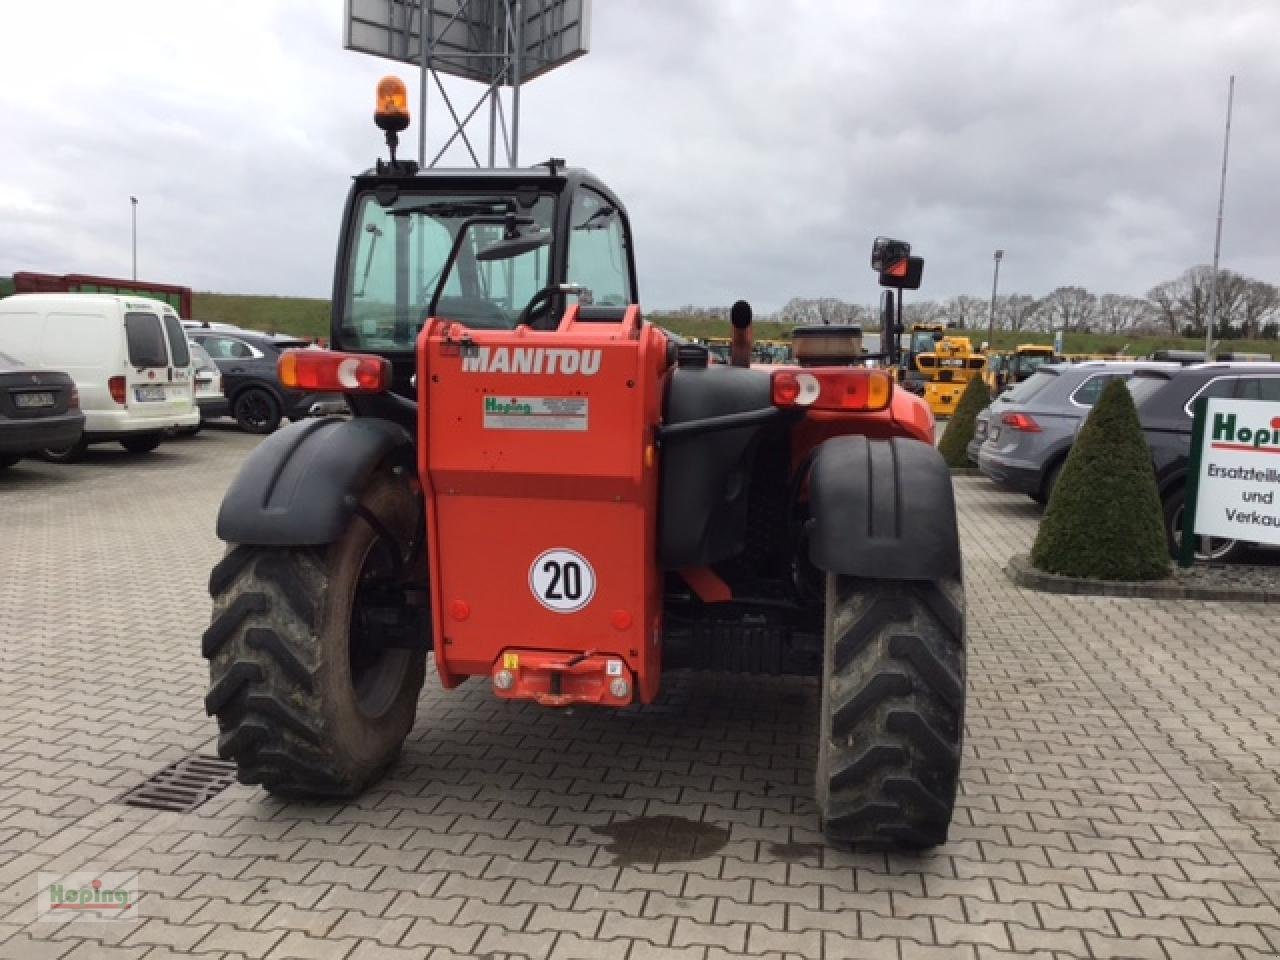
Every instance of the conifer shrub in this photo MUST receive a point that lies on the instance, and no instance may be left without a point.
(1104, 520)
(959, 432)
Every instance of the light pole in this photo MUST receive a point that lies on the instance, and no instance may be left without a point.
(1217, 236)
(133, 206)
(991, 318)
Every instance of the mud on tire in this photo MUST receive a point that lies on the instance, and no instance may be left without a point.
(892, 712)
(306, 707)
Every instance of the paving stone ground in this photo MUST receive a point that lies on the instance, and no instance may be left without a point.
(1120, 792)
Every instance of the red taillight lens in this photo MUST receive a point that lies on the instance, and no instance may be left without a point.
(1020, 421)
(337, 372)
(73, 402)
(832, 388)
(116, 386)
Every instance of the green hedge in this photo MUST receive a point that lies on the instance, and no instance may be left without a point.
(1104, 520)
(955, 441)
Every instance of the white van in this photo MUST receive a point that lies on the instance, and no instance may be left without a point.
(128, 356)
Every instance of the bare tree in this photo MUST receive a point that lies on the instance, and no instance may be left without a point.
(922, 311)
(1193, 297)
(1016, 311)
(1164, 299)
(1258, 303)
(966, 312)
(1117, 312)
(1071, 309)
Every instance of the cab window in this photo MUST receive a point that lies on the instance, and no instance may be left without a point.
(598, 250)
(145, 340)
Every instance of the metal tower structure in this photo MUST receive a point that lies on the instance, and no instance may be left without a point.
(499, 43)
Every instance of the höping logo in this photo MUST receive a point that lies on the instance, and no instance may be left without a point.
(1227, 435)
(535, 360)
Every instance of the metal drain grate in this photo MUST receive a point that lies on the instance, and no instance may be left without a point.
(183, 786)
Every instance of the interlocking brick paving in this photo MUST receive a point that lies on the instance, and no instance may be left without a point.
(1120, 794)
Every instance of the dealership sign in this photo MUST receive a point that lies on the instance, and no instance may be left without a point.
(1235, 481)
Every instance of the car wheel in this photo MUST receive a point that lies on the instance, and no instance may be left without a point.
(143, 443)
(8, 460)
(256, 410)
(1046, 487)
(1218, 549)
(65, 454)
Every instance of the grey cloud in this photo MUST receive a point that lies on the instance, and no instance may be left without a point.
(758, 154)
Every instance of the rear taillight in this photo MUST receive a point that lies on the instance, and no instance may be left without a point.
(116, 386)
(832, 388)
(73, 401)
(1020, 422)
(338, 372)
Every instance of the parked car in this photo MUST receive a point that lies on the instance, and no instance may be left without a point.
(247, 360)
(210, 399)
(38, 409)
(212, 325)
(1022, 439)
(127, 355)
(1164, 399)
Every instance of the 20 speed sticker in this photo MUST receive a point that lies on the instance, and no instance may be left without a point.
(535, 413)
(562, 580)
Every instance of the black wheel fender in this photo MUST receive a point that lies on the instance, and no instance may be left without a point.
(882, 509)
(295, 488)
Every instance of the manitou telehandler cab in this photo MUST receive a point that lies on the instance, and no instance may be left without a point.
(555, 499)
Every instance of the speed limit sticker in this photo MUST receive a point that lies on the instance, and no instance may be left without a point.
(562, 580)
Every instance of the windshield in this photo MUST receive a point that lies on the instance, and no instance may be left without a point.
(1024, 364)
(399, 252)
(922, 341)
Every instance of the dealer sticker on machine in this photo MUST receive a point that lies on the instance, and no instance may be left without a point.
(535, 413)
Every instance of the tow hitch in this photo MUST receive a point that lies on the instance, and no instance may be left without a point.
(561, 679)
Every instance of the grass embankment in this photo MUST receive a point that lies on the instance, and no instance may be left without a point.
(293, 315)
(305, 317)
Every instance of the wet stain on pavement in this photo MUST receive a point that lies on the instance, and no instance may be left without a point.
(796, 852)
(662, 839)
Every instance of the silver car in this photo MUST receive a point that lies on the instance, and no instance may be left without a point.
(1022, 439)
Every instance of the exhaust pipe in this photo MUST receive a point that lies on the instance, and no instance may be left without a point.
(740, 344)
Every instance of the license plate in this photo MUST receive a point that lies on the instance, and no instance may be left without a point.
(32, 401)
(145, 394)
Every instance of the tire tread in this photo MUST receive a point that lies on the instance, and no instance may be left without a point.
(889, 769)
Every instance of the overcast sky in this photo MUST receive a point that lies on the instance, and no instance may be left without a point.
(757, 152)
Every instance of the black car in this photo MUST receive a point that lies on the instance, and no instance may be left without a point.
(252, 387)
(1164, 399)
(39, 410)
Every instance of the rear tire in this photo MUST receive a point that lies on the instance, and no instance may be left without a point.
(1221, 550)
(256, 410)
(309, 703)
(1046, 487)
(65, 454)
(7, 460)
(143, 443)
(892, 712)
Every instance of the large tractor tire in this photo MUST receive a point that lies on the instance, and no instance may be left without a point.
(892, 712)
(314, 673)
